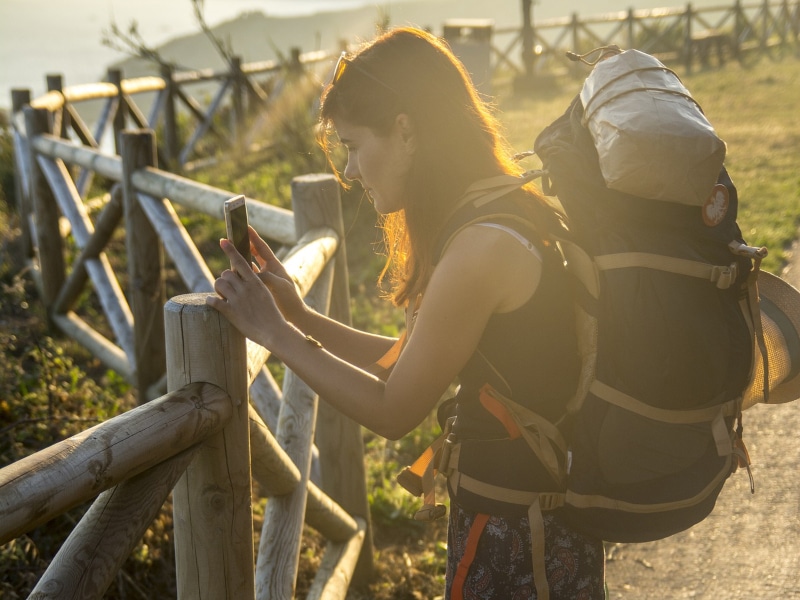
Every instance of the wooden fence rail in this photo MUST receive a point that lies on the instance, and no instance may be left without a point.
(222, 421)
(246, 91)
(686, 34)
(216, 419)
(240, 92)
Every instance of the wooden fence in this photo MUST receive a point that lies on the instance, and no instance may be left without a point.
(688, 35)
(216, 416)
(244, 92)
(240, 95)
(199, 436)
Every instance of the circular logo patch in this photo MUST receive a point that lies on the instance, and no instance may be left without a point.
(716, 206)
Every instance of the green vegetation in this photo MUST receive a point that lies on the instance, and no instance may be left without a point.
(50, 388)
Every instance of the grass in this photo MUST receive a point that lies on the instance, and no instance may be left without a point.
(50, 388)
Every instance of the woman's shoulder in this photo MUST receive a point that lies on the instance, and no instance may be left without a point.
(519, 212)
(496, 260)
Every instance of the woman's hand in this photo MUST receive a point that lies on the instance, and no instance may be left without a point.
(245, 300)
(273, 274)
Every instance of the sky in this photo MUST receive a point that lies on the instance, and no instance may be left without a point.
(63, 36)
(38, 37)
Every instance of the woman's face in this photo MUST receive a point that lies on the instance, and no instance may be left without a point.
(380, 163)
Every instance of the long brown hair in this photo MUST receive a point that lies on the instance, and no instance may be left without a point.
(458, 139)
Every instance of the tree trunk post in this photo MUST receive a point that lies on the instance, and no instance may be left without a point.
(48, 233)
(575, 30)
(631, 22)
(19, 100)
(55, 83)
(115, 78)
(212, 503)
(528, 57)
(170, 121)
(147, 285)
(316, 202)
(237, 89)
(687, 38)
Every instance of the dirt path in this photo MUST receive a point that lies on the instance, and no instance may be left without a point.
(749, 547)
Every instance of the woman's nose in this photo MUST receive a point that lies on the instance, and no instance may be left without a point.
(351, 171)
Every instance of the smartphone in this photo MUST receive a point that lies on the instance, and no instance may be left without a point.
(236, 224)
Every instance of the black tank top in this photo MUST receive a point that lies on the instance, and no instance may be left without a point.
(531, 356)
(532, 349)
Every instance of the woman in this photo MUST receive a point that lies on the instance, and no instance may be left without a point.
(417, 137)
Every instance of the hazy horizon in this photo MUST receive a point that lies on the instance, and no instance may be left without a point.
(70, 32)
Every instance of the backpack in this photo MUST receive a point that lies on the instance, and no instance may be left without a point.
(668, 309)
(675, 342)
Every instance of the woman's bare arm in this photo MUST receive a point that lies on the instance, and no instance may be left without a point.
(483, 271)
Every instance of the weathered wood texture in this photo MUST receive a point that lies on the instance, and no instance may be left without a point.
(212, 501)
(316, 203)
(146, 280)
(20, 99)
(271, 221)
(91, 557)
(47, 235)
(38, 487)
(108, 220)
(278, 475)
(190, 264)
(335, 573)
(279, 547)
(110, 294)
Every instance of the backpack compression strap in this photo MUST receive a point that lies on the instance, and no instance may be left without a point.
(473, 537)
(543, 438)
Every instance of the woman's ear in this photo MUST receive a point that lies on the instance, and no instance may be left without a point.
(405, 128)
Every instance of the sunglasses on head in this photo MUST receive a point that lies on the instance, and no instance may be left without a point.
(345, 63)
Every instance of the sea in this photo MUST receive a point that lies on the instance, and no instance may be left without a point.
(41, 37)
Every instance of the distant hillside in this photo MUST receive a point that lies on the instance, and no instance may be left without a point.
(255, 36)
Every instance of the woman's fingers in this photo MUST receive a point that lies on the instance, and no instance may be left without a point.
(238, 262)
(265, 256)
(260, 248)
(258, 243)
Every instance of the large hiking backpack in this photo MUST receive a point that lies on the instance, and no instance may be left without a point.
(668, 312)
(675, 343)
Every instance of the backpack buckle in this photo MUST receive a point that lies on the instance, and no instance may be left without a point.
(445, 467)
(724, 276)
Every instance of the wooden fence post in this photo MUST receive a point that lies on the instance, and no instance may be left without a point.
(688, 47)
(295, 62)
(115, 78)
(736, 42)
(213, 516)
(48, 233)
(170, 122)
(19, 100)
(147, 285)
(765, 31)
(631, 22)
(575, 27)
(237, 94)
(316, 202)
(55, 83)
(528, 57)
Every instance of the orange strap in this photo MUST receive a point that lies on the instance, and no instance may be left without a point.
(496, 408)
(385, 363)
(478, 525)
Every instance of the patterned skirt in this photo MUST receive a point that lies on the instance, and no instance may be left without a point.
(502, 565)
